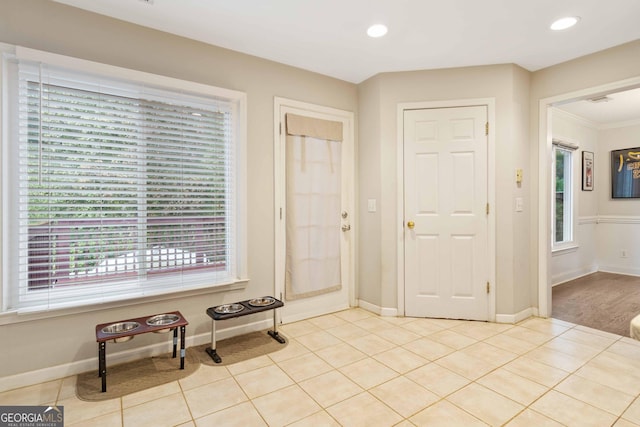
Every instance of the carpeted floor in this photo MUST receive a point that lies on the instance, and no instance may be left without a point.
(127, 378)
(603, 301)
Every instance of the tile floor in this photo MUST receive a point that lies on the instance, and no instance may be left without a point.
(354, 368)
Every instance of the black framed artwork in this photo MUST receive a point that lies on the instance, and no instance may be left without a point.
(625, 173)
(587, 171)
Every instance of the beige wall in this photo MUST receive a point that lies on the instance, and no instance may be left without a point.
(378, 102)
(49, 26)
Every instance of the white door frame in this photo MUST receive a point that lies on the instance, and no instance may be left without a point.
(491, 183)
(280, 195)
(544, 235)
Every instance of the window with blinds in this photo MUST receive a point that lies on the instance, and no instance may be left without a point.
(123, 189)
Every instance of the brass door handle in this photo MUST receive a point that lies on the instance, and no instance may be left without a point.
(411, 224)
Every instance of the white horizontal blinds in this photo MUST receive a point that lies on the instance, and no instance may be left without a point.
(126, 190)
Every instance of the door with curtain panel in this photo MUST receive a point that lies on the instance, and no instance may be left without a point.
(314, 209)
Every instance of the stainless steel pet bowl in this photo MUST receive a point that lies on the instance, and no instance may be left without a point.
(229, 308)
(262, 302)
(119, 328)
(162, 320)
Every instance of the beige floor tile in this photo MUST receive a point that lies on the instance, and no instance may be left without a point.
(624, 423)
(285, 406)
(429, 349)
(493, 355)
(318, 340)
(528, 335)
(445, 323)
(463, 364)
(371, 344)
(204, 375)
(34, 395)
(546, 326)
(531, 418)
(398, 321)
(241, 415)
(297, 329)
(404, 396)
(397, 335)
(330, 388)
(437, 379)
(214, 397)
(405, 423)
(400, 360)
(598, 332)
(373, 324)
(582, 352)
(480, 330)
(595, 394)
(596, 341)
(76, 410)
(328, 321)
(538, 372)
(632, 413)
(166, 411)
(368, 373)
(514, 345)
(569, 411)
(513, 386)
(422, 327)
(114, 419)
(306, 366)
(150, 394)
(608, 370)
(264, 380)
(626, 349)
(250, 365)
(485, 404)
(445, 414)
(291, 350)
(340, 355)
(187, 424)
(319, 419)
(68, 388)
(347, 332)
(354, 314)
(556, 359)
(452, 339)
(364, 410)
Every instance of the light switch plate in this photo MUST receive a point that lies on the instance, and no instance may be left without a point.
(371, 205)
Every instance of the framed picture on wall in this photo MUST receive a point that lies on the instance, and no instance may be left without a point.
(587, 171)
(625, 173)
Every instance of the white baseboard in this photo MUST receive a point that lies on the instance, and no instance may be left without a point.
(572, 275)
(381, 311)
(628, 271)
(61, 371)
(517, 317)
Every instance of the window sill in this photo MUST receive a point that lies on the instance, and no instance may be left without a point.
(565, 249)
(17, 317)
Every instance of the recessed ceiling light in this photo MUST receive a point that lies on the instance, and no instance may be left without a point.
(377, 30)
(564, 23)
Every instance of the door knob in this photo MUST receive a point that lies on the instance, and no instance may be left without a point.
(411, 224)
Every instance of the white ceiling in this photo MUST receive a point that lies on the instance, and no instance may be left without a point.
(329, 36)
(620, 107)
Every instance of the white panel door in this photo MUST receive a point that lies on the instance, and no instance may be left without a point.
(446, 224)
(303, 308)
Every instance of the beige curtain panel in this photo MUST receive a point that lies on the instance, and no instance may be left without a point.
(315, 128)
(313, 207)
